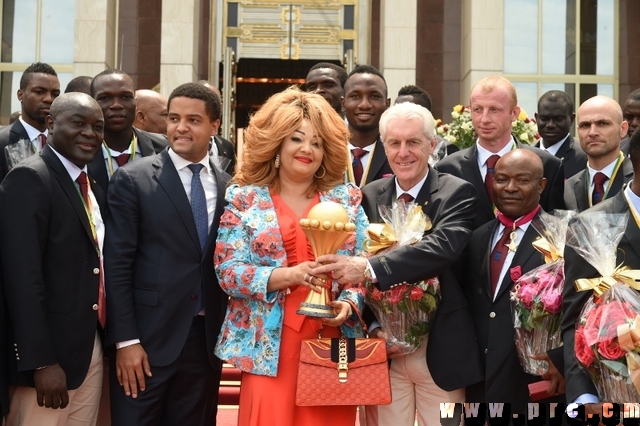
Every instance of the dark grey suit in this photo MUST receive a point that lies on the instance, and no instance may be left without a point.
(378, 165)
(452, 354)
(576, 189)
(573, 158)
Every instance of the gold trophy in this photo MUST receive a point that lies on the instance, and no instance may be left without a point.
(327, 227)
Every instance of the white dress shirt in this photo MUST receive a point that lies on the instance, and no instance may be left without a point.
(484, 154)
(33, 134)
(553, 149)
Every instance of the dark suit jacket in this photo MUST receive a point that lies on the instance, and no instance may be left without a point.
(464, 164)
(154, 267)
(574, 159)
(8, 135)
(504, 378)
(50, 269)
(576, 195)
(578, 381)
(452, 354)
(226, 150)
(150, 144)
(378, 165)
(5, 352)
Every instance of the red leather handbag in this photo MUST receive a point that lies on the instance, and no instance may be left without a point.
(343, 371)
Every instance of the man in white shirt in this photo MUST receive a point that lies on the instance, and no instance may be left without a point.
(39, 86)
(601, 127)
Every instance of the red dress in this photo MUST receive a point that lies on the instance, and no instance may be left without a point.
(271, 401)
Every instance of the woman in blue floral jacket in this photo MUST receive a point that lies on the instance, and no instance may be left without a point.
(295, 157)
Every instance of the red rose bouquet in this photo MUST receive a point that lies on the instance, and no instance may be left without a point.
(406, 310)
(607, 336)
(536, 298)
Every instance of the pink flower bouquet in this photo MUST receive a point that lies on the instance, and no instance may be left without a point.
(607, 336)
(406, 310)
(536, 298)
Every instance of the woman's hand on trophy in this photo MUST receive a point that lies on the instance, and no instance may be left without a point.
(306, 278)
(343, 269)
(342, 310)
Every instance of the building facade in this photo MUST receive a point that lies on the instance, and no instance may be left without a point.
(584, 47)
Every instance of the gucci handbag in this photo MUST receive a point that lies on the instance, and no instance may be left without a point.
(343, 371)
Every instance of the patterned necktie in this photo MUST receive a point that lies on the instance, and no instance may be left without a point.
(83, 184)
(406, 198)
(43, 140)
(358, 170)
(122, 159)
(200, 216)
(598, 188)
(488, 179)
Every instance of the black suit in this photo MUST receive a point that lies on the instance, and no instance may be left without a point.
(155, 268)
(378, 165)
(5, 352)
(8, 135)
(504, 378)
(149, 143)
(226, 150)
(578, 381)
(50, 269)
(576, 189)
(574, 159)
(464, 164)
(452, 354)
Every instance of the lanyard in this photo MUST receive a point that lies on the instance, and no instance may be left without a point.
(632, 208)
(616, 168)
(133, 146)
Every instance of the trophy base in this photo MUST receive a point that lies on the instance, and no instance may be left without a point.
(316, 311)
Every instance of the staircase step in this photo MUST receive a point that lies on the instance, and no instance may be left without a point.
(229, 395)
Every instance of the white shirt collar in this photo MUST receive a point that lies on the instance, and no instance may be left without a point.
(415, 190)
(32, 131)
(484, 154)
(367, 148)
(608, 170)
(553, 149)
(181, 163)
(73, 170)
(632, 197)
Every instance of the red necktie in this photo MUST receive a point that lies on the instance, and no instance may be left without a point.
(501, 250)
(407, 198)
(488, 179)
(83, 184)
(122, 159)
(358, 170)
(598, 188)
(43, 140)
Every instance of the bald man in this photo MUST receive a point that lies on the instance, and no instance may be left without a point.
(151, 111)
(600, 127)
(517, 186)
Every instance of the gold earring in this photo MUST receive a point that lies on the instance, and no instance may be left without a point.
(276, 163)
(324, 172)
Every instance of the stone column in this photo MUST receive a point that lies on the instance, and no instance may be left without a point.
(95, 28)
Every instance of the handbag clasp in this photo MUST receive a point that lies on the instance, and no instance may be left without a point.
(343, 364)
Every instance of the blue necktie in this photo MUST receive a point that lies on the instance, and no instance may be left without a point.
(200, 216)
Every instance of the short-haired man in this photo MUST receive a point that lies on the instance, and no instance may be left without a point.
(487, 280)
(600, 130)
(51, 221)
(165, 305)
(441, 368)
(39, 86)
(223, 152)
(365, 99)
(151, 111)
(580, 387)
(555, 117)
(80, 84)
(494, 107)
(419, 96)
(327, 80)
(631, 114)
(123, 143)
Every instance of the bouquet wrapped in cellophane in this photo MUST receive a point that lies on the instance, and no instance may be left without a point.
(536, 298)
(607, 336)
(406, 311)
